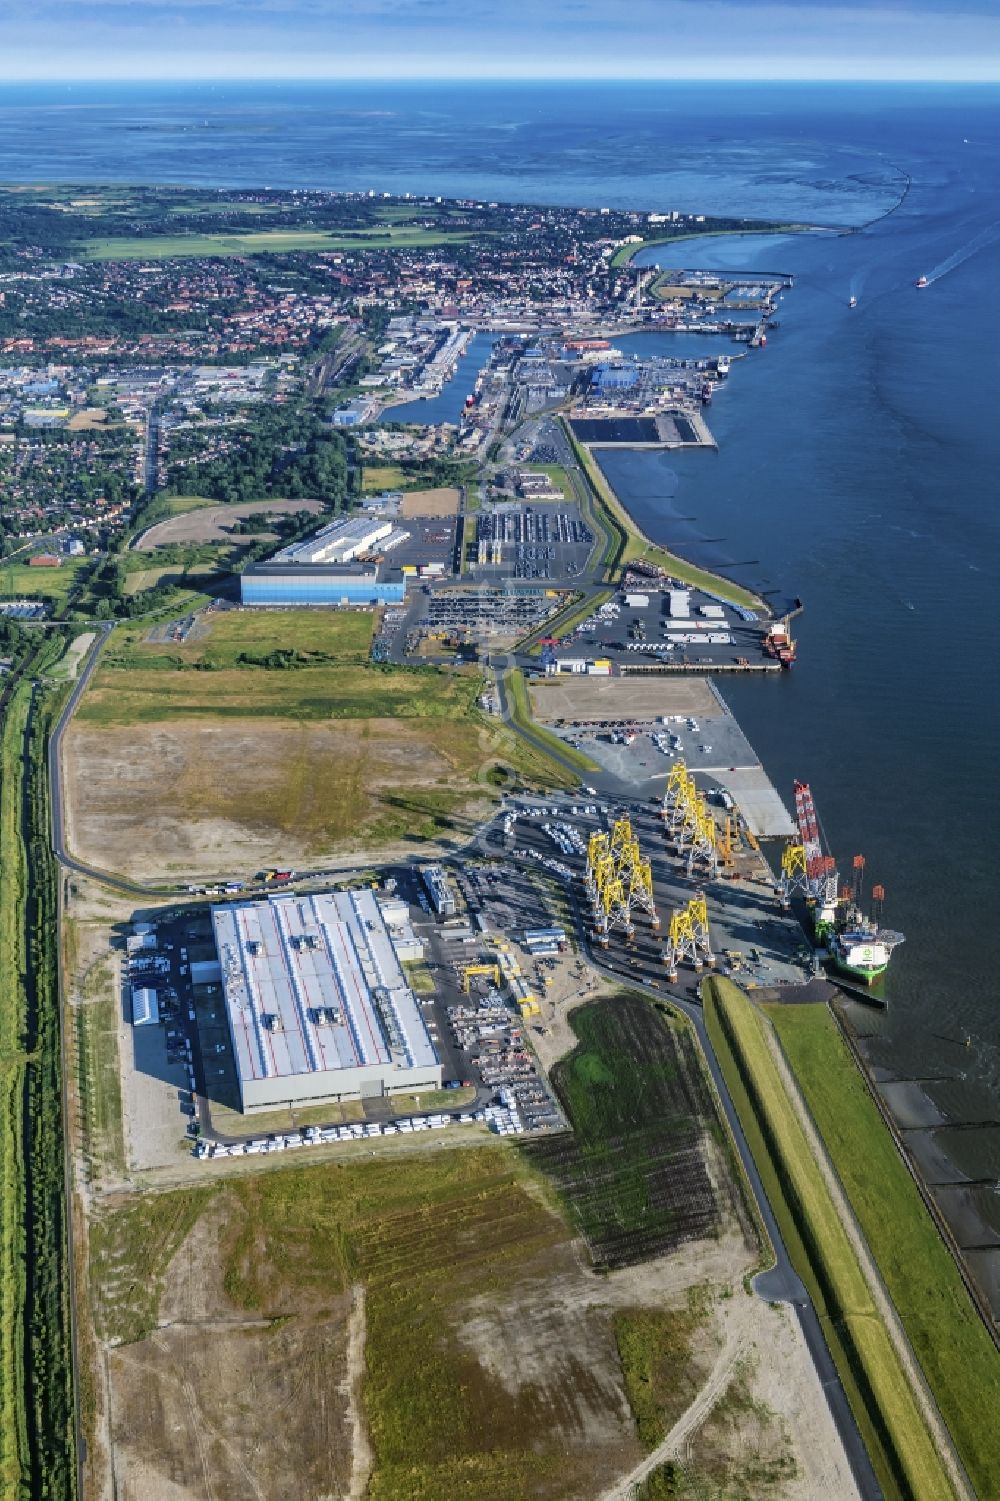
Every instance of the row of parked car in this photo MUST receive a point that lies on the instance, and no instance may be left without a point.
(324, 1135)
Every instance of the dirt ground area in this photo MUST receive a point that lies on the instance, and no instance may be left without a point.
(211, 523)
(78, 648)
(220, 1403)
(443, 501)
(187, 799)
(577, 696)
(89, 417)
(759, 1424)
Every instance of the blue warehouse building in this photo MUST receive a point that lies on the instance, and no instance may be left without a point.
(612, 377)
(296, 584)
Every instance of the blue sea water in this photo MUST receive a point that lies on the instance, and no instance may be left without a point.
(859, 454)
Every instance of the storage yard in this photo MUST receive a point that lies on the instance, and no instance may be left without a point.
(491, 616)
(636, 731)
(536, 541)
(657, 628)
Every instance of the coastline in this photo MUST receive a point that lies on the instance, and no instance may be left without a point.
(628, 543)
(625, 255)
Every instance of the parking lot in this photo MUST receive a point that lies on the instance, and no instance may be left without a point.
(432, 539)
(498, 617)
(532, 541)
(159, 1058)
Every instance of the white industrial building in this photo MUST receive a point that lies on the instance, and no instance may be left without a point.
(145, 1006)
(317, 1002)
(437, 888)
(340, 542)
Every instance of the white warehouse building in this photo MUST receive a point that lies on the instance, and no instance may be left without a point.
(340, 542)
(317, 1002)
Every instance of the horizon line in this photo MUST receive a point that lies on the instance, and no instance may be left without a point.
(472, 79)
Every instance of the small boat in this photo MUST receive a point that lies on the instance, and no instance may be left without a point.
(921, 281)
(853, 302)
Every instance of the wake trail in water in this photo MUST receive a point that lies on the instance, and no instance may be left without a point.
(981, 241)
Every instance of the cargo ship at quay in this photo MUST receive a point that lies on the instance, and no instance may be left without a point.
(847, 937)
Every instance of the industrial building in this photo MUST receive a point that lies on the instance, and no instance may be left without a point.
(145, 1006)
(341, 542)
(295, 584)
(317, 1002)
(332, 567)
(441, 895)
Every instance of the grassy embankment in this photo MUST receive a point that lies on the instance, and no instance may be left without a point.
(520, 713)
(262, 242)
(165, 506)
(36, 1409)
(955, 1350)
(905, 1459)
(558, 476)
(627, 544)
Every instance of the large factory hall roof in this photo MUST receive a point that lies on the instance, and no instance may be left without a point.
(313, 985)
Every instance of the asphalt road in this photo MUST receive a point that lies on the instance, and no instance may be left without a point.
(62, 854)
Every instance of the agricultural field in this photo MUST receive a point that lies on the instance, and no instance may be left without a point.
(378, 477)
(262, 242)
(21, 581)
(443, 500)
(267, 738)
(426, 1324)
(956, 1352)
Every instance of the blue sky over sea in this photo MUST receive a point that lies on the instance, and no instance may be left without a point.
(133, 40)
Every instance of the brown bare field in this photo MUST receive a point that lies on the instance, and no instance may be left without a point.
(197, 1405)
(580, 697)
(432, 1322)
(196, 798)
(211, 523)
(429, 1327)
(440, 502)
(89, 417)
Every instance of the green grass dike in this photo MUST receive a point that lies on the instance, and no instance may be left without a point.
(625, 543)
(906, 1461)
(955, 1350)
(520, 713)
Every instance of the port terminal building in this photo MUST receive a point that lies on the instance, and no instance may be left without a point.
(317, 1001)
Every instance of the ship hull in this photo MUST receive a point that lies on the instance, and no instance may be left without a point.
(867, 974)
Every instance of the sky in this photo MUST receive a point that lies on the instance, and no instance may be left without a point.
(467, 39)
